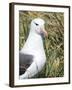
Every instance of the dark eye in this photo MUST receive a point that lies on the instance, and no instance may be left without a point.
(36, 24)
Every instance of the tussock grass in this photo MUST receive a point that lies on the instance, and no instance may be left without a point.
(53, 44)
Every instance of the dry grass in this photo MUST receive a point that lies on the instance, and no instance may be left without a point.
(53, 44)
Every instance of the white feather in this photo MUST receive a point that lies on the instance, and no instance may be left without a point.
(34, 46)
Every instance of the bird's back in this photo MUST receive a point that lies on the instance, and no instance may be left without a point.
(25, 60)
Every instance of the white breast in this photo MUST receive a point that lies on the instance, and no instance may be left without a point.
(34, 46)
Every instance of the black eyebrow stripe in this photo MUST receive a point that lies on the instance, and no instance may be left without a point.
(36, 23)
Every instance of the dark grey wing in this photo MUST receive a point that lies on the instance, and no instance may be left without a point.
(25, 60)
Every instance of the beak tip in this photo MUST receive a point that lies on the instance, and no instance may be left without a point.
(46, 33)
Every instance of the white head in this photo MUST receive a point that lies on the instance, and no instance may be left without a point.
(37, 26)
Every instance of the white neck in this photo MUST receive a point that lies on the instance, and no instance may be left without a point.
(33, 44)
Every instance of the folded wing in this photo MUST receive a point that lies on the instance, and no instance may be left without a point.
(25, 60)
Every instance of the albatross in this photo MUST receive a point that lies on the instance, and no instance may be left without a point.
(32, 56)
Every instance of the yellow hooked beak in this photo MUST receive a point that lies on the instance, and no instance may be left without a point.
(43, 31)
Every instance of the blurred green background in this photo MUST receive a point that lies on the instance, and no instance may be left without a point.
(53, 44)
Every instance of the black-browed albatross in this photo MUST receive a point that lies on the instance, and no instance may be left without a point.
(32, 56)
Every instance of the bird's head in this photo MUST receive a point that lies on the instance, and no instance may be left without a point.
(37, 26)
